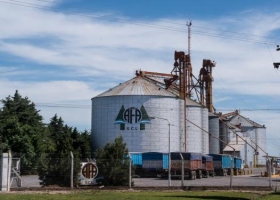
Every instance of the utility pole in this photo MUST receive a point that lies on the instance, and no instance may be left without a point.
(276, 65)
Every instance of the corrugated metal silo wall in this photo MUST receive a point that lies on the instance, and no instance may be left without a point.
(258, 136)
(108, 122)
(261, 142)
(223, 135)
(214, 143)
(197, 140)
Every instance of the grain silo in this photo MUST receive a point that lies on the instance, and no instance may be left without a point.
(154, 108)
(141, 111)
(214, 143)
(197, 140)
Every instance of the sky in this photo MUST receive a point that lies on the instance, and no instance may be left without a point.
(61, 53)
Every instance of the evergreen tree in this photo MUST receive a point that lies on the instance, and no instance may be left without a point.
(55, 164)
(86, 144)
(21, 130)
(82, 144)
(113, 162)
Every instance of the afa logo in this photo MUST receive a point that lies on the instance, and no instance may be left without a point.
(133, 117)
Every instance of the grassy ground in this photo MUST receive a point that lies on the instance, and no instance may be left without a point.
(134, 195)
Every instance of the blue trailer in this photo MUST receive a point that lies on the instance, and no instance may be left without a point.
(149, 164)
(222, 164)
(237, 165)
(136, 159)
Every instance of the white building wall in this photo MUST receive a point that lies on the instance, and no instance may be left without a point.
(154, 138)
(251, 155)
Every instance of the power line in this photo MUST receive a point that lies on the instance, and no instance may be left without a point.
(32, 5)
(208, 28)
(63, 105)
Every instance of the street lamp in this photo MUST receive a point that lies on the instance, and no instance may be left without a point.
(169, 154)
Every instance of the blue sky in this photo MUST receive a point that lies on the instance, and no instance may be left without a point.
(62, 53)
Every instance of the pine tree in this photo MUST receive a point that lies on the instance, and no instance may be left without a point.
(113, 162)
(55, 164)
(82, 144)
(21, 130)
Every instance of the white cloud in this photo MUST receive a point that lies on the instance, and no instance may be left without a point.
(108, 52)
(49, 92)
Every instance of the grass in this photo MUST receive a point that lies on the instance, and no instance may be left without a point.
(135, 195)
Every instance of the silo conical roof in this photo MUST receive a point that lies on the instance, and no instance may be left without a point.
(139, 86)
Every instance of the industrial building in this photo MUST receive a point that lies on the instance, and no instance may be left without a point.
(149, 114)
(248, 137)
(157, 112)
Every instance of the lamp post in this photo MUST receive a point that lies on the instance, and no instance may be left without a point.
(169, 154)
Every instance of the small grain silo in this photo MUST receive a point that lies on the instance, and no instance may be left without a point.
(214, 142)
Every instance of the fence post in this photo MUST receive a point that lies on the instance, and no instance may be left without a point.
(9, 169)
(269, 171)
(129, 182)
(5, 171)
(72, 168)
(182, 172)
(231, 163)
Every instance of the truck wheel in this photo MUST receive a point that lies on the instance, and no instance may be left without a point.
(199, 174)
(194, 175)
(207, 174)
(225, 172)
(190, 175)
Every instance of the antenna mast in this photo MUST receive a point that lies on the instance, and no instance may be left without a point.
(188, 63)
(189, 38)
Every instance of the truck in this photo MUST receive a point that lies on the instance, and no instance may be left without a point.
(155, 164)
(137, 162)
(237, 165)
(192, 165)
(207, 166)
(222, 164)
(149, 164)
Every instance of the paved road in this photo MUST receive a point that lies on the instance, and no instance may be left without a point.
(252, 178)
(212, 181)
(244, 180)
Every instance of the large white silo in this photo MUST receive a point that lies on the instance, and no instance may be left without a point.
(197, 140)
(127, 110)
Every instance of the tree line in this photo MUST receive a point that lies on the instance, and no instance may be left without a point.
(45, 149)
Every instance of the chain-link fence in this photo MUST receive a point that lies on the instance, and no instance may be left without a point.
(53, 171)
